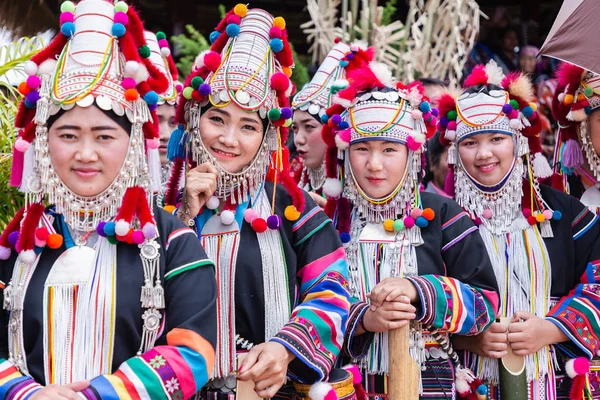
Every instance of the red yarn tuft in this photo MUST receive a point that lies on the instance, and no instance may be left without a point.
(578, 387)
(344, 209)
(285, 56)
(330, 207)
(328, 136)
(143, 209)
(331, 162)
(30, 222)
(12, 226)
(173, 185)
(478, 77)
(28, 134)
(129, 204)
(294, 191)
(445, 102)
(24, 115)
(53, 49)
(172, 68)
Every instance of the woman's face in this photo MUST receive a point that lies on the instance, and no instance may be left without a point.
(166, 123)
(594, 127)
(87, 149)
(378, 166)
(231, 135)
(307, 138)
(487, 157)
(527, 63)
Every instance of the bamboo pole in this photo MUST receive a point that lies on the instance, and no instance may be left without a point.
(404, 374)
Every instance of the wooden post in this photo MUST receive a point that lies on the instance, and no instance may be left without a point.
(513, 378)
(404, 374)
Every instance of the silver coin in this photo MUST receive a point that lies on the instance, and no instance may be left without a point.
(242, 97)
(118, 108)
(104, 103)
(379, 95)
(86, 101)
(149, 251)
(231, 382)
(151, 320)
(34, 184)
(392, 96)
(224, 96)
(314, 109)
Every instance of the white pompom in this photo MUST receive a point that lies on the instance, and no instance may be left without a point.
(341, 143)
(462, 387)
(578, 115)
(340, 84)
(131, 68)
(165, 51)
(450, 135)
(142, 74)
(212, 203)
(342, 102)
(319, 390)
(27, 256)
(382, 72)
(200, 59)
(47, 67)
(418, 137)
(514, 124)
(332, 188)
(541, 168)
(30, 68)
(122, 227)
(227, 217)
(570, 368)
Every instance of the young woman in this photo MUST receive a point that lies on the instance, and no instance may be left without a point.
(309, 106)
(280, 266)
(575, 107)
(104, 296)
(544, 245)
(413, 257)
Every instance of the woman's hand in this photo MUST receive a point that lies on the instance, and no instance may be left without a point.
(391, 315)
(492, 342)
(320, 200)
(58, 392)
(391, 288)
(528, 333)
(266, 365)
(200, 184)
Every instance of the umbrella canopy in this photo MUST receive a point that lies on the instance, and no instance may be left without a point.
(574, 36)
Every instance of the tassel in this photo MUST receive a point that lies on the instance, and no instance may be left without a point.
(541, 168)
(523, 145)
(546, 229)
(452, 154)
(416, 237)
(572, 156)
(146, 296)
(28, 163)
(154, 169)
(16, 171)
(449, 184)
(159, 296)
(13, 226)
(176, 146)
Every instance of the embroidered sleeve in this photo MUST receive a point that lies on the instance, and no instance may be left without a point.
(466, 299)
(182, 361)
(356, 346)
(578, 313)
(317, 325)
(13, 384)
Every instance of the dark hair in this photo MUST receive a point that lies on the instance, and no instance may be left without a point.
(434, 152)
(432, 81)
(122, 121)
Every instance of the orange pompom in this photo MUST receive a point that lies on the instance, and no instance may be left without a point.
(240, 10)
(169, 209)
(131, 94)
(428, 214)
(54, 241)
(568, 99)
(23, 88)
(287, 71)
(279, 22)
(388, 225)
(291, 213)
(540, 217)
(581, 97)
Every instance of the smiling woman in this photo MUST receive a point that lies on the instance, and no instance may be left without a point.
(487, 157)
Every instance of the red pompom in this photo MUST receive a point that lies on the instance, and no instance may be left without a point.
(42, 233)
(478, 77)
(196, 96)
(280, 82)
(259, 225)
(55, 241)
(212, 60)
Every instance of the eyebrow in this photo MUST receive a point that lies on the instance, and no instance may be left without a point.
(307, 120)
(78, 128)
(225, 113)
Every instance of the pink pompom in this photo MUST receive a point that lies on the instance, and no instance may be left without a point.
(561, 97)
(163, 43)
(526, 212)
(121, 18)
(409, 222)
(249, 215)
(426, 115)
(416, 213)
(212, 60)
(412, 144)
(128, 83)
(416, 114)
(149, 230)
(4, 253)
(179, 87)
(433, 121)
(514, 114)
(22, 145)
(533, 116)
(451, 126)
(487, 213)
(331, 395)
(153, 143)
(138, 237)
(280, 82)
(39, 243)
(356, 375)
(34, 82)
(275, 32)
(66, 17)
(548, 214)
(581, 365)
(233, 19)
(345, 135)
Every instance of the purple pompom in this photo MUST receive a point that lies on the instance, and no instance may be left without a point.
(274, 222)
(13, 238)
(149, 231)
(444, 121)
(204, 89)
(33, 96)
(100, 229)
(507, 109)
(350, 56)
(4, 253)
(435, 112)
(336, 119)
(286, 113)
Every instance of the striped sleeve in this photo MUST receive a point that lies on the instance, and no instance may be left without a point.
(578, 313)
(315, 332)
(356, 346)
(452, 306)
(13, 384)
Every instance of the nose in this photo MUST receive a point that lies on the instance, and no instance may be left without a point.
(374, 162)
(229, 138)
(299, 137)
(483, 152)
(86, 152)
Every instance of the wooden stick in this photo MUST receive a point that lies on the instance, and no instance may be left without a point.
(404, 374)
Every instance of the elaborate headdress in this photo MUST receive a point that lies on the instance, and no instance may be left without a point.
(316, 96)
(372, 107)
(249, 64)
(577, 95)
(107, 66)
(492, 103)
(161, 58)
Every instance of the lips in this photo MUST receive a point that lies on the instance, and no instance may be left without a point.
(375, 180)
(162, 149)
(485, 168)
(86, 173)
(223, 153)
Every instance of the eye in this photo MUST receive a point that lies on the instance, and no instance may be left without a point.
(105, 137)
(216, 119)
(361, 148)
(468, 143)
(250, 128)
(389, 150)
(498, 138)
(67, 136)
(172, 121)
(294, 128)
